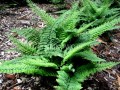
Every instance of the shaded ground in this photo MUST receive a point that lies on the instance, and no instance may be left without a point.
(23, 17)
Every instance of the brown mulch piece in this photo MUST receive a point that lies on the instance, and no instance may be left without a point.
(21, 17)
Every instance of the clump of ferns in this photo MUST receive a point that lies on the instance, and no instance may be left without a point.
(99, 11)
(60, 49)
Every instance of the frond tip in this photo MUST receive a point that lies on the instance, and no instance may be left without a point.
(85, 71)
(45, 16)
(89, 55)
(18, 68)
(66, 82)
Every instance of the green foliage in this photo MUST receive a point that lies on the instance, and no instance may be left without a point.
(41, 13)
(99, 11)
(68, 81)
(89, 55)
(29, 65)
(24, 48)
(95, 32)
(57, 1)
(61, 49)
(2, 7)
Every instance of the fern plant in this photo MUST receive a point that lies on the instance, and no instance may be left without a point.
(99, 11)
(60, 49)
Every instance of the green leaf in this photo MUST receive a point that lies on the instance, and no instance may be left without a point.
(89, 55)
(66, 82)
(75, 50)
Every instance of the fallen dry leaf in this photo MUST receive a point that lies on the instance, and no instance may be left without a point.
(10, 76)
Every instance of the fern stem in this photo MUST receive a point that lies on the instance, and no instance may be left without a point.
(84, 28)
(65, 41)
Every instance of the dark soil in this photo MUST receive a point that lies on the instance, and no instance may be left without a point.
(20, 17)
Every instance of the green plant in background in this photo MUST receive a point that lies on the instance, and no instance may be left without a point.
(57, 1)
(60, 49)
(4, 6)
(99, 11)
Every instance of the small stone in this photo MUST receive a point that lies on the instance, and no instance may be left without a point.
(37, 79)
(8, 56)
(89, 88)
(23, 79)
(17, 88)
(2, 53)
(29, 88)
(25, 22)
(1, 80)
(0, 75)
(114, 72)
(19, 80)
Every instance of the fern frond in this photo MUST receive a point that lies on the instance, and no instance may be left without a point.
(74, 82)
(53, 51)
(66, 82)
(30, 34)
(24, 48)
(33, 61)
(95, 10)
(45, 16)
(84, 27)
(86, 70)
(27, 69)
(113, 11)
(47, 38)
(104, 8)
(75, 5)
(77, 33)
(75, 50)
(40, 63)
(55, 47)
(70, 21)
(46, 72)
(89, 55)
(26, 58)
(105, 27)
(68, 68)
(18, 68)
(92, 5)
(95, 32)
(29, 65)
